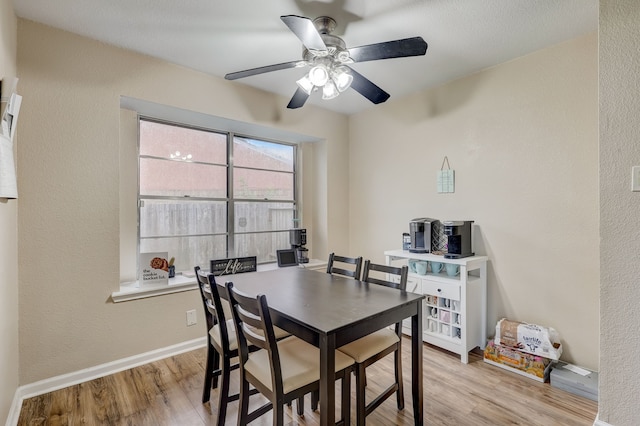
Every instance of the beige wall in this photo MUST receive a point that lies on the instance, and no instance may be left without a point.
(8, 237)
(70, 183)
(522, 138)
(619, 212)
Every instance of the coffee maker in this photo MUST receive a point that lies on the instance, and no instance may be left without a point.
(458, 234)
(298, 239)
(420, 230)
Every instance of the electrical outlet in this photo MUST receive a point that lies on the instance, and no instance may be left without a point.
(191, 318)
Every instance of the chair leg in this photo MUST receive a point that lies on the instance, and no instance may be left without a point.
(346, 399)
(243, 406)
(400, 392)
(315, 398)
(216, 365)
(361, 408)
(278, 414)
(208, 375)
(300, 406)
(223, 395)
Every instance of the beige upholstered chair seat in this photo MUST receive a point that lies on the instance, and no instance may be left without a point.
(233, 342)
(369, 345)
(215, 335)
(300, 361)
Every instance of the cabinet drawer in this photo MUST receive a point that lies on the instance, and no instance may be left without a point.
(450, 291)
(413, 284)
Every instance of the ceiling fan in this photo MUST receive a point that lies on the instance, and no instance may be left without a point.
(328, 57)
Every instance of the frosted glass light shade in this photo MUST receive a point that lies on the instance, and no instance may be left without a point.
(305, 84)
(330, 91)
(319, 75)
(343, 78)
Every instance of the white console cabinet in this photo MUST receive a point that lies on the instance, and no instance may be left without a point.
(455, 307)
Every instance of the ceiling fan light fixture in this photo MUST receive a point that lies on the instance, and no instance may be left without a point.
(343, 78)
(343, 57)
(305, 84)
(319, 75)
(328, 56)
(330, 91)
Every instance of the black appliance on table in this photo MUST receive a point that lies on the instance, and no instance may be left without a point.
(421, 230)
(298, 240)
(458, 234)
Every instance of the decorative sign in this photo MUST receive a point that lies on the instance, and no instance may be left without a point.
(236, 265)
(446, 181)
(154, 268)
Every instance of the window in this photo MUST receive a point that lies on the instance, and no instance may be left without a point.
(204, 194)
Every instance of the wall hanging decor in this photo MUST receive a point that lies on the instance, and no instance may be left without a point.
(446, 180)
(8, 124)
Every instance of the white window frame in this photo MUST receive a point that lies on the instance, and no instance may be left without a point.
(231, 199)
(129, 288)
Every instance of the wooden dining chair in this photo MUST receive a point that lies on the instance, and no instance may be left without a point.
(341, 269)
(222, 344)
(369, 349)
(281, 370)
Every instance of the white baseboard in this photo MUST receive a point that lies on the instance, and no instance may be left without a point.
(80, 376)
(599, 422)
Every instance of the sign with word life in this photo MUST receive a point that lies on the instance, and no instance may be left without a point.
(236, 265)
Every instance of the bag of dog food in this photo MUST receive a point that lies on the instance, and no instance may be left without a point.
(529, 338)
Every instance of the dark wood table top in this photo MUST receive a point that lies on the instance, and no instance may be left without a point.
(326, 303)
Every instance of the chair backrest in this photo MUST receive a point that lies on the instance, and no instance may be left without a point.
(353, 273)
(401, 272)
(401, 284)
(214, 310)
(254, 327)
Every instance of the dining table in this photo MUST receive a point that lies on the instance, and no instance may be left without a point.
(329, 311)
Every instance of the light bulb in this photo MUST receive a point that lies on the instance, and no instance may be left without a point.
(343, 78)
(329, 91)
(319, 75)
(305, 84)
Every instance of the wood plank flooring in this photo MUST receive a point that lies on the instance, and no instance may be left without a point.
(168, 392)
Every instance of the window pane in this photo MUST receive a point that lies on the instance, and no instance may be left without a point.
(252, 217)
(180, 178)
(188, 251)
(259, 184)
(262, 155)
(163, 140)
(182, 169)
(263, 246)
(178, 217)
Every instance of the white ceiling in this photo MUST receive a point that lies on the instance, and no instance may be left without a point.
(222, 36)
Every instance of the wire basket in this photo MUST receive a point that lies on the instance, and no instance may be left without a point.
(438, 238)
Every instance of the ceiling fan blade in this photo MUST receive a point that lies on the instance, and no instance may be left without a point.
(414, 46)
(366, 88)
(298, 99)
(304, 29)
(261, 70)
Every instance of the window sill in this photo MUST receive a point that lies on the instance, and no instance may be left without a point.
(133, 291)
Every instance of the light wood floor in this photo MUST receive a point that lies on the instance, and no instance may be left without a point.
(168, 392)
